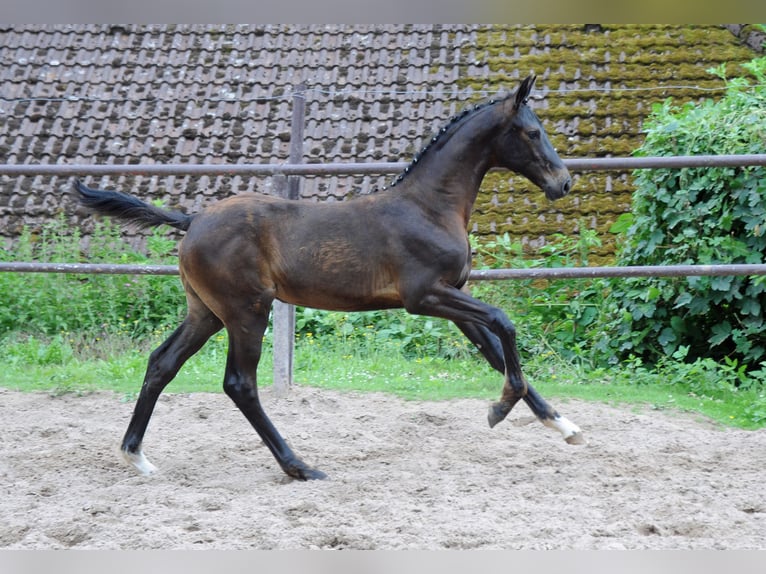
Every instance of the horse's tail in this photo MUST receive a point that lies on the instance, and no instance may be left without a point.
(130, 209)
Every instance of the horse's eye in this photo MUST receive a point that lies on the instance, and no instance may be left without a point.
(533, 134)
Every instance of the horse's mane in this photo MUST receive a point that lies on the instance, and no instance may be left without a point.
(447, 129)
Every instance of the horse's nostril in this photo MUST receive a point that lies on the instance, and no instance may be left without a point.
(567, 186)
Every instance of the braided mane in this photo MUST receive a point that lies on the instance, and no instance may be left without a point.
(454, 120)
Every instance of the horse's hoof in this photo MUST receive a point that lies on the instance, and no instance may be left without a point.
(308, 474)
(576, 438)
(497, 413)
(140, 462)
(304, 472)
(313, 474)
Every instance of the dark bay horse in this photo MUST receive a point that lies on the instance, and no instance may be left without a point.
(404, 247)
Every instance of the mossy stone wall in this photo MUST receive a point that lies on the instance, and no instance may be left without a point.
(595, 84)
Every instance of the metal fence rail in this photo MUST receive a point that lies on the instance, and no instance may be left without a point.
(314, 169)
(476, 274)
(627, 271)
(88, 268)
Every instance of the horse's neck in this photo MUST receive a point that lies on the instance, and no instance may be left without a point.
(450, 175)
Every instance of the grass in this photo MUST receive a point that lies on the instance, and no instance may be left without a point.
(73, 364)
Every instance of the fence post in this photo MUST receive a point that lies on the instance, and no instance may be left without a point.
(284, 314)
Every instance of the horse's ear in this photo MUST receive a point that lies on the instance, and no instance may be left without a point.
(522, 94)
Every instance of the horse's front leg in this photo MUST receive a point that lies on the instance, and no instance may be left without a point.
(489, 345)
(495, 336)
(240, 384)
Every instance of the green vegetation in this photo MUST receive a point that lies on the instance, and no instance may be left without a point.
(54, 303)
(61, 364)
(698, 216)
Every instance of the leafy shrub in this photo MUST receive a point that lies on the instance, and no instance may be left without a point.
(366, 332)
(34, 351)
(697, 216)
(51, 303)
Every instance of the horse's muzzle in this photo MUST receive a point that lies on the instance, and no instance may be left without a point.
(558, 191)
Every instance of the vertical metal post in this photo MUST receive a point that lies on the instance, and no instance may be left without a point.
(284, 314)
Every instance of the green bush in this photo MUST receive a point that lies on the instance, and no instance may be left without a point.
(364, 333)
(52, 303)
(697, 216)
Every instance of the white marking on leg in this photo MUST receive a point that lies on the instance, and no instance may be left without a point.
(140, 461)
(570, 431)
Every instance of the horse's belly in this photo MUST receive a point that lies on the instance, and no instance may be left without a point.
(347, 295)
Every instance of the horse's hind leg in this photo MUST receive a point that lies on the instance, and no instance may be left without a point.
(240, 384)
(164, 363)
(490, 347)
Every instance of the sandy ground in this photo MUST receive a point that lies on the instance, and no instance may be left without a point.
(418, 475)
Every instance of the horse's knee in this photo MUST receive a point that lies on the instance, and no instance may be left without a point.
(419, 303)
(239, 389)
(234, 388)
(501, 325)
(155, 372)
